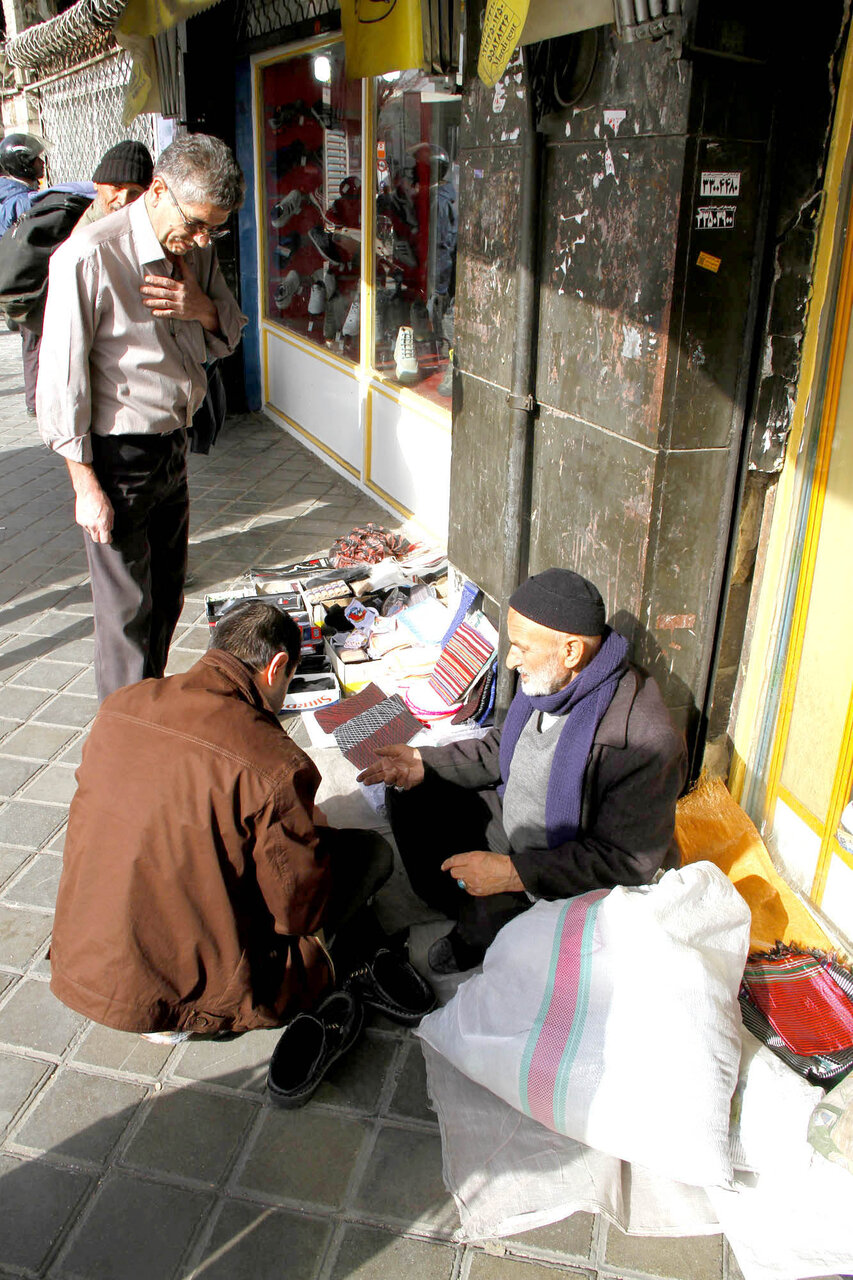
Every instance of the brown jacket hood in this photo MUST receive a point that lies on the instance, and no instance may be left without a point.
(191, 876)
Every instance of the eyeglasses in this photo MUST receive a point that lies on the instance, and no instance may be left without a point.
(193, 225)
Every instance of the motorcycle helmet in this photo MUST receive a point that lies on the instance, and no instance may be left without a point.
(21, 156)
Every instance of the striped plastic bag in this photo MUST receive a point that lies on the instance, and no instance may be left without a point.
(613, 1018)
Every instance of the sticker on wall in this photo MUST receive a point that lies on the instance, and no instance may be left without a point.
(708, 262)
(720, 184)
(613, 117)
(715, 217)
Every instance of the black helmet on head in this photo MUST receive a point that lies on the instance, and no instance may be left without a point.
(20, 156)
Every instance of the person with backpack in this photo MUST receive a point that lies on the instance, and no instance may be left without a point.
(47, 219)
(21, 170)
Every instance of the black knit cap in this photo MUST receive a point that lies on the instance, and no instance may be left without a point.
(561, 600)
(124, 163)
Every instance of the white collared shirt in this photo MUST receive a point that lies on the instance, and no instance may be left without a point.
(107, 364)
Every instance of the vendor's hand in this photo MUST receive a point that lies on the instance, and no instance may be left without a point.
(320, 819)
(396, 766)
(484, 873)
(180, 298)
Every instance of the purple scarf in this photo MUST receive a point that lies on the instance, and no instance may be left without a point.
(583, 703)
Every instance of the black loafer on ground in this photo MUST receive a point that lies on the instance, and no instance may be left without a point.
(390, 984)
(308, 1046)
(452, 954)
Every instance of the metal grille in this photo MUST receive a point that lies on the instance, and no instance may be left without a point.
(81, 118)
(259, 18)
(66, 40)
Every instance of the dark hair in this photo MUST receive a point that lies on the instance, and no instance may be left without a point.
(255, 631)
(201, 169)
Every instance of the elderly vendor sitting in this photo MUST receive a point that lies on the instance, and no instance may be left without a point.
(576, 791)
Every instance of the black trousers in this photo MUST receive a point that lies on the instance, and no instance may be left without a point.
(138, 578)
(361, 862)
(435, 820)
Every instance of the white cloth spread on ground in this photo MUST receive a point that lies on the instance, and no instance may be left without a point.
(509, 1173)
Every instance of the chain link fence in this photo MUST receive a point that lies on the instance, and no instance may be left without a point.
(81, 117)
(257, 19)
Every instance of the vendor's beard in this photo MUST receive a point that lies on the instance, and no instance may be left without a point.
(549, 679)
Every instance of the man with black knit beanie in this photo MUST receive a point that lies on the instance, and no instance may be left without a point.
(576, 791)
(123, 174)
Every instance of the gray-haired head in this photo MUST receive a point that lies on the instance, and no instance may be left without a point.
(202, 170)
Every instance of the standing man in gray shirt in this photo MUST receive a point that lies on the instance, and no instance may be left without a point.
(576, 790)
(136, 307)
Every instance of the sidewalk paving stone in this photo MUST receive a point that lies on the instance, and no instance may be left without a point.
(238, 1063)
(253, 1242)
(38, 1203)
(80, 1117)
(37, 741)
(22, 932)
(18, 1079)
(56, 784)
(402, 1182)
(32, 1018)
(367, 1253)
(37, 886)
(134, 1230)
(190, 1134)
(305, 1156)
(29, 823)
(121, 1051)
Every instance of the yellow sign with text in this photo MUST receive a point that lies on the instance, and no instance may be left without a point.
(502, 27)
(381, 35)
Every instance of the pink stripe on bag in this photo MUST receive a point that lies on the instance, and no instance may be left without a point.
(556, 1035)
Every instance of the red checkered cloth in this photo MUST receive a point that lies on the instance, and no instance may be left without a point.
(805, 998)
(328, 718)
(465, 656)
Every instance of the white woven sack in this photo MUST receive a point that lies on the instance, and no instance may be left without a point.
(613, 1018)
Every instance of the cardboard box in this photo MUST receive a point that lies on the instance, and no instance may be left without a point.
(353, 676)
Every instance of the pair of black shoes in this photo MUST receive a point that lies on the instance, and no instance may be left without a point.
(312, 1042)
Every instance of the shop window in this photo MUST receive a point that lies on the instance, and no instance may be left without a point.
(312, 198)
(416, 213)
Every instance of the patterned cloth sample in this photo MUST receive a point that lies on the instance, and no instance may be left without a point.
(384, 725)
(802, 998)
(462, 660)
(330, 717)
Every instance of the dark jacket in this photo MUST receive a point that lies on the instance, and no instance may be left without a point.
(633, 777)
(191, 876)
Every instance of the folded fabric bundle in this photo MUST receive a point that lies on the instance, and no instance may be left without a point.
(463, 659)
(368, 544)
(805, 996)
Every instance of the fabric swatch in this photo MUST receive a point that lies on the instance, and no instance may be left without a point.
(384, 725)
(330, 717)
(462, 660)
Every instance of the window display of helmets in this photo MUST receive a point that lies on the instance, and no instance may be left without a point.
(21, 156)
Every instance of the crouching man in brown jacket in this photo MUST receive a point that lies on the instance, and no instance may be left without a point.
(197, 869)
